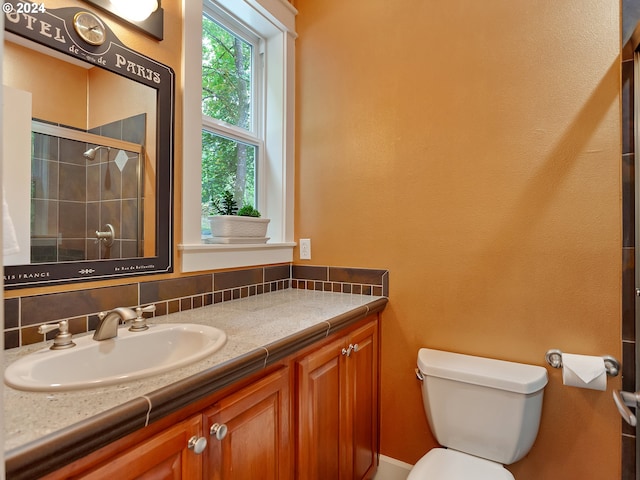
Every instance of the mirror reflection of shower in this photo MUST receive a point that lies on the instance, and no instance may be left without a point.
(91, 153)
(106, 238)
(80, 182)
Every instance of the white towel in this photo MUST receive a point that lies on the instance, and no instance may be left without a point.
(10, 241)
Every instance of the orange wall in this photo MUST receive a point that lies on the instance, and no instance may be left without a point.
(473, 149)
(40, 74)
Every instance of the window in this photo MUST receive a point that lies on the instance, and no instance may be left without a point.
(231, 101)
(238, 124)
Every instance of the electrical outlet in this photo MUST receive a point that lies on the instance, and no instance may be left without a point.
(305, 249)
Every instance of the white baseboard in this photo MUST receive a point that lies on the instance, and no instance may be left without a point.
(392, 469)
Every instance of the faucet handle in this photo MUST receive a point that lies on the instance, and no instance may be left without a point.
(147, 309)
(63, 339)
(140, 323)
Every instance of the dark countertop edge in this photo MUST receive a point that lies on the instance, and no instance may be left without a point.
(71, 443)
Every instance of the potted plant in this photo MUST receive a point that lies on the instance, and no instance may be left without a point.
(231, 225)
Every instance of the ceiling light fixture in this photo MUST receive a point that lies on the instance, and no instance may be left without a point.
(137, 10)
(144, 15)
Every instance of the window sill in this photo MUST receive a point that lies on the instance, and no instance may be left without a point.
(199, 257)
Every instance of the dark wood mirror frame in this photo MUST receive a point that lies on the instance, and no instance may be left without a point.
(53, 28)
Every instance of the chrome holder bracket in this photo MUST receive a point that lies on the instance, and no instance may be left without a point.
(611, 365)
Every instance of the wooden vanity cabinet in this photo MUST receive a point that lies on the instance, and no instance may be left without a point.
(337, 408)
(332, 434)
(256, 445)
(250, 432)
(166, 455)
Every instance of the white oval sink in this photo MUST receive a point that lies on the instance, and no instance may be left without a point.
(129, 356)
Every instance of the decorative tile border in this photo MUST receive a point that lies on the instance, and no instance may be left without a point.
(357, 281)
(23, 315)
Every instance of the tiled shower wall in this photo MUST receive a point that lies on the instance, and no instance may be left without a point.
(24, 314)
(58, 199)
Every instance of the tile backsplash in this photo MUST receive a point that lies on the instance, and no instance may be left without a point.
(24, 314)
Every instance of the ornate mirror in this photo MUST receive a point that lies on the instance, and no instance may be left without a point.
(87, 148)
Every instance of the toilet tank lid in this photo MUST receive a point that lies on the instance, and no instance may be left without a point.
(488, 372)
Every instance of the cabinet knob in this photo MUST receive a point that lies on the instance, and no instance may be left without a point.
(219, 430)
(351, 348)
(197, 444)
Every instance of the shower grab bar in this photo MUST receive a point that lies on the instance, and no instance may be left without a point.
(623, 401)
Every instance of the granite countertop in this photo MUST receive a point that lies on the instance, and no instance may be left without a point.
(260, 330)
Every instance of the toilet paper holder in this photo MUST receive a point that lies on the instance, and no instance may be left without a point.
(611, 365)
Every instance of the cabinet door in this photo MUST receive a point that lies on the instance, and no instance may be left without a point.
(338, 408)
(165, 456)
(322, 434)
(258, 439)
(363, 384)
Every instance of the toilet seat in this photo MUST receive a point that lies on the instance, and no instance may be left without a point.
(447, 464)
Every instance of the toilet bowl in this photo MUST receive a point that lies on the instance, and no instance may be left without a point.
(486, 413)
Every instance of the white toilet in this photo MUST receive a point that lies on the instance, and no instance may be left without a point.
(485, 412)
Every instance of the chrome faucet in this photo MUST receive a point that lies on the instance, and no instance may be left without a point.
(63, 339)
(108, 326)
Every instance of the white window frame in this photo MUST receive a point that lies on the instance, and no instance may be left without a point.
(254, 135)
(273, 21)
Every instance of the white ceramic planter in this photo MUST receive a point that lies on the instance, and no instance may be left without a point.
(238, 229)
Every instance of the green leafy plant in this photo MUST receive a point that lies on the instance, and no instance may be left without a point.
(248, 211)
(225, 205)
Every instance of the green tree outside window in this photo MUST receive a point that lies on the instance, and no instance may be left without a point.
(228, 164)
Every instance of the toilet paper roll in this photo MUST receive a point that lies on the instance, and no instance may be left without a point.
(584, 371)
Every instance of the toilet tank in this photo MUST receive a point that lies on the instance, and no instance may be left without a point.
(482, 406)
